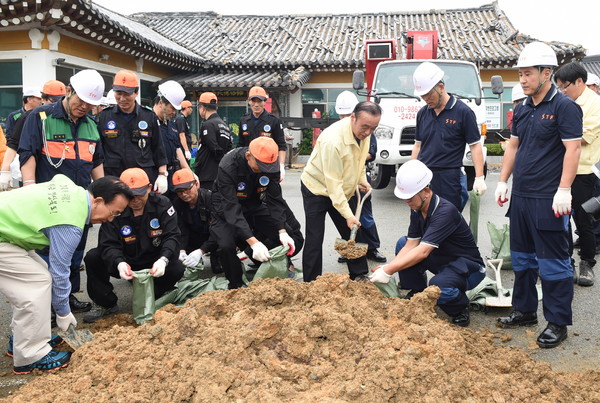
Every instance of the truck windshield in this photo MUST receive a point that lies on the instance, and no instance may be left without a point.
(393, 78)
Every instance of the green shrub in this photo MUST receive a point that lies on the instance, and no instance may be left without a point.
(494, 149)
(305, 146)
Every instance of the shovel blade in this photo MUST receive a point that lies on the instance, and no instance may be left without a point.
(350, 249)
(76, 338)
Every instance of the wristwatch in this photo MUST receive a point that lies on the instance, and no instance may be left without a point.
(165, 173)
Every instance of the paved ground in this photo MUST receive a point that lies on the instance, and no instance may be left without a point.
(579, 352)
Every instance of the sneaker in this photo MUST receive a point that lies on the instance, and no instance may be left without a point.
(99, 312)
(55, 340)
(52, 361)
(586, 274)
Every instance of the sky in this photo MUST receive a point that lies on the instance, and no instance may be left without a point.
(574, 21)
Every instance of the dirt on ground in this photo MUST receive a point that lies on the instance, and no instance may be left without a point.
(331, 340)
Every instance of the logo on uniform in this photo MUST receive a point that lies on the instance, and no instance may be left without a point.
(244, 126)
(143, 125)
(241, 187)
(156, 242)
(171, 211)
(125, 230)
(264, 180)
(92, 149)
(154, 223)
(267, 128)
(111, 124)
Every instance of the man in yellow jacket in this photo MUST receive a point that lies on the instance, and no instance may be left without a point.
(334, 170)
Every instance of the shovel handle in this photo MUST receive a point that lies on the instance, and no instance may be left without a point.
(361, 201)
(353, 232)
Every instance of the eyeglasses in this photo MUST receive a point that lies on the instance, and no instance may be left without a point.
(186, 189)
(113, 214)
(563, 89)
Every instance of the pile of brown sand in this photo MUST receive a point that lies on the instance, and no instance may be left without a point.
(330, 340)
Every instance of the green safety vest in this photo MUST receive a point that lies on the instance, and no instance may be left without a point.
(25, 211)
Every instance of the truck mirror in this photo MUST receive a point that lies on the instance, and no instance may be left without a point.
(497, 85)
(358, 80)
(478, 101)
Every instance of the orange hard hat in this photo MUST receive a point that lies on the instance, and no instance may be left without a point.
(136, 179)
(208, 98)
(125, 80)
(186, 104)
(54, 87)
(258, 92)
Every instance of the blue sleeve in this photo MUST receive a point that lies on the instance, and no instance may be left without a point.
(570, 121)
(30, 143)
(63, 242)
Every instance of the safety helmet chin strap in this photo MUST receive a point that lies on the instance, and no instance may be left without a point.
(423, 199)
(439, 98)
(539, 87)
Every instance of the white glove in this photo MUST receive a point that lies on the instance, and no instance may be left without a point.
(285, 239)
(188, 155)
(158, 268)
(63, 322)
(161, 185)
(193, 258)
(501, 192)
(182, 255)
(260, 252)
(5, 180)
(561, 204)
(125, 271)
(281, 172)
(479, 185)
(380, 276)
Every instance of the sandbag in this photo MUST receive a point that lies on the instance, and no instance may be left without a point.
(500, 239)
(390, 289)
(277, 266)
(474, 213)
(143, 296)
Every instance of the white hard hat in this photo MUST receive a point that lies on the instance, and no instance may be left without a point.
(110, 97)
(32, 92)
(425, 77)
(173, 92)
(345, 103)
(537, 54)
(412, 177)
(104, 101)
(517, 93)
(592, 79)
(88, 85)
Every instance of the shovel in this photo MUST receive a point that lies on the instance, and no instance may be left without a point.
(76, 338)
(502, 300)
(350, 249)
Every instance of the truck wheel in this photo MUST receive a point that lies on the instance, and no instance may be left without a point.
(380, 174)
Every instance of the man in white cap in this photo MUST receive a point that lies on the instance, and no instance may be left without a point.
(439, 240)
(60, 138)
(593, 82)
(32, 98)
(543, 153)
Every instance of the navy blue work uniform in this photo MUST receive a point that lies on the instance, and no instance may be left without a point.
(243, 202)
(11, 119)
(139, 241)
(131, 140)
(367, 221)
(171, 142)
(216, 142)
(266, 124)
(184, 127)
(539, 242)
(443, 138)
(456, 261)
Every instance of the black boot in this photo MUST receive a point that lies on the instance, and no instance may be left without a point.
(462, 319)
(518, 318)
(78, 306)
(552, 336)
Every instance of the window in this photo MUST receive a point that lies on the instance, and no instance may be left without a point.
(11, 88)
(323, 100)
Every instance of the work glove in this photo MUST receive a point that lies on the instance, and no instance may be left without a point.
(501, 192)
(125, 271)
(285, 239)
(281, 172)
(158, 268)
(63, 322)
(379, 275)
(561, 204)
(5, 180)
(161, 185)
(182, 255)
(479, 185)
(193, 258)
(188, 155)
(260, 252)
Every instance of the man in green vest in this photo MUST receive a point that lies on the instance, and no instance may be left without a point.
(53, 214)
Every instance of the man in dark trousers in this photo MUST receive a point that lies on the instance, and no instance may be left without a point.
(215, 139)
(144, 236)
(193, 218)
(183, 127)
(262, 123)
(247, 198)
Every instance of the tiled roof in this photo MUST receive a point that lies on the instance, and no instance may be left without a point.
(592, 64)
(99, 25)
(290, 79)
(335, 42)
